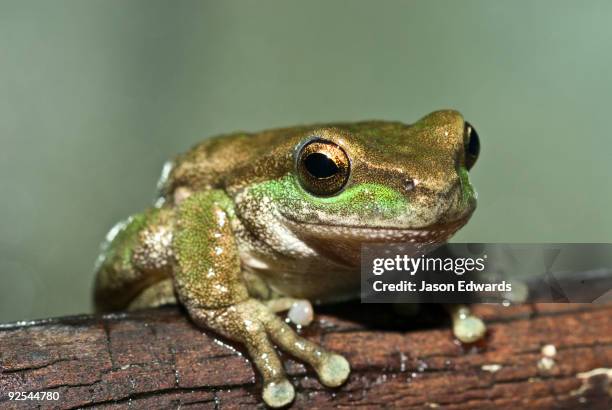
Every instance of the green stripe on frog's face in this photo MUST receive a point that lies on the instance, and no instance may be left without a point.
(364, 202)
(467, 190)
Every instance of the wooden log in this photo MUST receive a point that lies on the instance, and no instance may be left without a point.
(158, 359)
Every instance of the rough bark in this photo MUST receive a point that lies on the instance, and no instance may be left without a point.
(158, 359)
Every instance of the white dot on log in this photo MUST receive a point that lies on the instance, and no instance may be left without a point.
(491, 367)
(549, 350)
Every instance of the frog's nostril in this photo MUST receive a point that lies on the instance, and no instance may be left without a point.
(409, 184)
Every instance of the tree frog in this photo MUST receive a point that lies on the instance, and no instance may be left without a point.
(249, 225)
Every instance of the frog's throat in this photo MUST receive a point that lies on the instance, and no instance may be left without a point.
(343, 244)
(438, 232)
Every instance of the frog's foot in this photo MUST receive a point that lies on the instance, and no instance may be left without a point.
(300, 310)
(466, 327)
(256, 326)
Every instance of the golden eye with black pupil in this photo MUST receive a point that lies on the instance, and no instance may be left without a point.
(322, 167)
(472, 145)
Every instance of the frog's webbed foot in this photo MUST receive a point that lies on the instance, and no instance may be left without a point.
(253, 324)
(466, 327)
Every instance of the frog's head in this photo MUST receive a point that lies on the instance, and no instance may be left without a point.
(378, 181)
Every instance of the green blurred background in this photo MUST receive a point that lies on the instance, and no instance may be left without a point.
(96, 95)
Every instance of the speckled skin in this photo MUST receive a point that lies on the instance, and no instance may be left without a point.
(236, 235)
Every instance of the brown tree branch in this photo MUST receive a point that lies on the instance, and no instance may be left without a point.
(158, 359)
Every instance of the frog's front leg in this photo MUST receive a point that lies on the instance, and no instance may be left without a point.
(210, 285)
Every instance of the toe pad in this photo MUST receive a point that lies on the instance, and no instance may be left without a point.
(469, 329)
(278, 394)
(334, 370)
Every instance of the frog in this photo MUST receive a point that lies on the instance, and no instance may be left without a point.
(246, 226)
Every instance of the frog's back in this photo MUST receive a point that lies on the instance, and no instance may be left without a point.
(226, 160)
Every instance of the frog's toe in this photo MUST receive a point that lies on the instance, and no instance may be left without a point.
(301, 313)
(278, 394)
(466, 327)
(334, 370)
(469, 329)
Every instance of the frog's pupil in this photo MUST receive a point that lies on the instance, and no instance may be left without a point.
(472, 148)
(474, 143)
(320, 165)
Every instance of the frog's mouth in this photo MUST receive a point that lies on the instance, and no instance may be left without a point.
(343, 242)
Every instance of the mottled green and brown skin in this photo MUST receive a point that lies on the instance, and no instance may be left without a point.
(237, 235)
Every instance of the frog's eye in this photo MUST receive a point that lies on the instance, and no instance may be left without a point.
(323, 167)
(472, 145)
